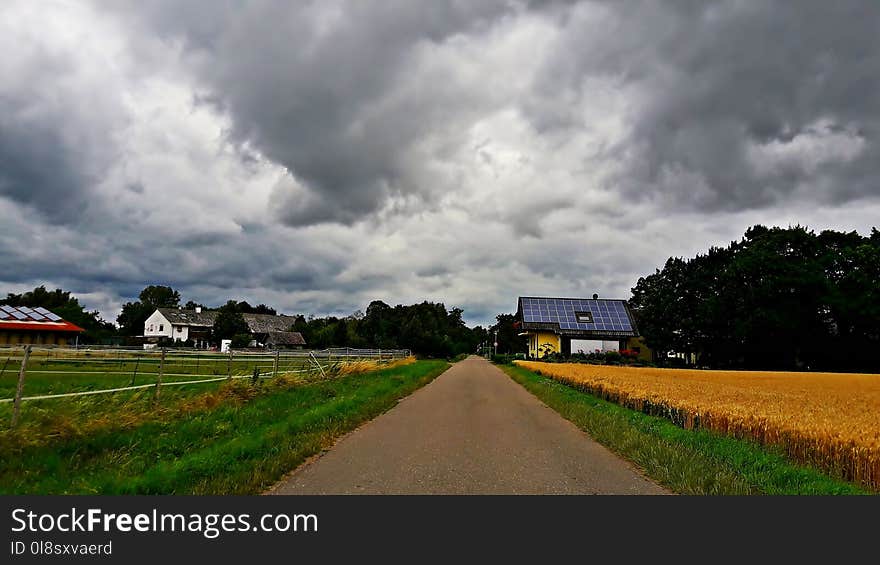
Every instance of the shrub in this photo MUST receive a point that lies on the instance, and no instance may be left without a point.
(503, 359)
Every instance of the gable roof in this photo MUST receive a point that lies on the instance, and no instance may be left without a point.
(577, 317)
(205, 318)
(285, 338)
(265, 323)
(34, 319)
(257, 323)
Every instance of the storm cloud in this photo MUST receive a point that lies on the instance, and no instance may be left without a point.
(318, 155)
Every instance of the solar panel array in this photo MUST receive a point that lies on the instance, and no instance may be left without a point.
(608, 315)
(25, 314)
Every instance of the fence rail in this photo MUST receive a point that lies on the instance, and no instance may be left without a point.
(105, 370)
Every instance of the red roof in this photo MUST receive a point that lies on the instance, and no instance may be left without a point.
(34, 319)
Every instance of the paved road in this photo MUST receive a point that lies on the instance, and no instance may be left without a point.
(471, 431)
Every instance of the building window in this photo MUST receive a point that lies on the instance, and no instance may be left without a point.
(161, 327)
(584, 317)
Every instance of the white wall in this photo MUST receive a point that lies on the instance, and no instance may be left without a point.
(151, 326)
(181, 333)
(591, 345)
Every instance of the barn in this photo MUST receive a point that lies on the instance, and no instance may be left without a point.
(550, 324)
(21, 325)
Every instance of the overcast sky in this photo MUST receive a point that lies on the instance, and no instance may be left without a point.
(318, 155)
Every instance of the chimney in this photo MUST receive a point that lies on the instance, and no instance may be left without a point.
(198, 309)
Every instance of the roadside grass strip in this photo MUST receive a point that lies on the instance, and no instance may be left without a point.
(241, 444)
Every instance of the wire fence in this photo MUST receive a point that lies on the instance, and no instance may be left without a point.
(59, 372)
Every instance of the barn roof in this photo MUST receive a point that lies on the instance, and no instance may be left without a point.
(285, 338)
(34, 319)
(265, 323)
(585, 318)
(257, 323)
(180, 317)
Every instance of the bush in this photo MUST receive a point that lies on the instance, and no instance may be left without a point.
(503, 359)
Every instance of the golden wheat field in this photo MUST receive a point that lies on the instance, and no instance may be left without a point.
(831, 420)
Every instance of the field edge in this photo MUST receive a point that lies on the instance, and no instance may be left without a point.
(685, 461)
(256, 450)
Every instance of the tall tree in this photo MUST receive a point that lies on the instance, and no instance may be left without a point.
(230, 324)
(778, 298)
(134, 314)
(507, 334)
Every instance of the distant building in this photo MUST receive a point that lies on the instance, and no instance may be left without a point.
(20, 325)
(285, 340)
(178, 324)
(550, 324)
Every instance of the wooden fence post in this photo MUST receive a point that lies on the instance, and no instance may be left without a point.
(137, 360)
(229, 364)
(275, 364)
(16, 408)
(161, 372)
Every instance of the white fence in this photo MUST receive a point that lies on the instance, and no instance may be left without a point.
(124, 367)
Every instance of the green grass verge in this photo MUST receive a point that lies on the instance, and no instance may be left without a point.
(232, 448)
(685, 461)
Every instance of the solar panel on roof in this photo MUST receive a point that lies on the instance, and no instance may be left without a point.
(53, 317)
(18, 315)
(607, 315)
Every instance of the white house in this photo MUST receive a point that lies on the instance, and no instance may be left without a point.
(179, 325)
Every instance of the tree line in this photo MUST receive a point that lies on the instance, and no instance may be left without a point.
(779, 298)
(426, 328)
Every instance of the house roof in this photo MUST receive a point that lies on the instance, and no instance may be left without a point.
(258, 323)
(265, 323)
(285, 338)
(34, 319)
(577, 317)
(179, 317)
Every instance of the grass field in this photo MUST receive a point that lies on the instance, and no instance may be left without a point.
(235, 438)
(831, 421)
(53, 375)
(685, 461)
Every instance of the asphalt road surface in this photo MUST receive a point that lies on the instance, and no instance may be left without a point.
(471, 431)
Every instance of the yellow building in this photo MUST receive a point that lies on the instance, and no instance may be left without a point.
(543, 343)
(549, 324)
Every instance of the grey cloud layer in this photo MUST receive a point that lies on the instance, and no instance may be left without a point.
(741, 103)
(317, 155)
(735, 104)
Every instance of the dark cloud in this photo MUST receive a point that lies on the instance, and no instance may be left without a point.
(312, 86)
(737, 104)
(495, 148)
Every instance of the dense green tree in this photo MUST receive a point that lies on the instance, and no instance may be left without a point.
(230, 324)
(778, 298)
(427, 329)
(134, 314)
(509, 341)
